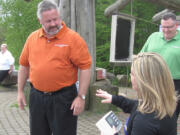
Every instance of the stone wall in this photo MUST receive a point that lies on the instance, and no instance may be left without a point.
(11, 79)
(95, 104)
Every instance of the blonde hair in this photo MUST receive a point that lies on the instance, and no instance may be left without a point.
(155, 85)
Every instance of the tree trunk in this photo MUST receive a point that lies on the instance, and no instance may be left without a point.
(80, 16)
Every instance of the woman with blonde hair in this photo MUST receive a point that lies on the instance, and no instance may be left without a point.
(154, 111)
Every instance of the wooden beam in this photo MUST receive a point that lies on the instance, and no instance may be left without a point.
(118, 5)
(159, 15)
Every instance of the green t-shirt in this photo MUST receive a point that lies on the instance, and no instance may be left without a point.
(169, 50)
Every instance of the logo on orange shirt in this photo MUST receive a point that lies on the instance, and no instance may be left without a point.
(61, 45)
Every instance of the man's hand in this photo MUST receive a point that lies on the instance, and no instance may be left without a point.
(10, 71)
(78, 105)
(21, 100)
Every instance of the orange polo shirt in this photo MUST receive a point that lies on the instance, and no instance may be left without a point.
(54, 63)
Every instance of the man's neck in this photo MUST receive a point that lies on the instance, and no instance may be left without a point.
(3, 52)
(50, 36)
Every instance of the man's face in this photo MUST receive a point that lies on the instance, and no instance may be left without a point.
(3, 49)
(169, 28)
(50, 21)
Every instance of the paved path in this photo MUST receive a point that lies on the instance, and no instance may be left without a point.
(14, 121)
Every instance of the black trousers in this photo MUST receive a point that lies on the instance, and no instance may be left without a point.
(177, 88)
(3, 74)
(50, 113)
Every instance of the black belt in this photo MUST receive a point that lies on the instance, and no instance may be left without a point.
(53, 92)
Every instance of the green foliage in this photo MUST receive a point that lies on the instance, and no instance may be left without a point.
(18, 20)
(102, 60)
(143, 11)
(1, 33)
(115, 82)
(102, 56)
(103, 24)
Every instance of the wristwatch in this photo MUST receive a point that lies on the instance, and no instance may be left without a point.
(82, 97)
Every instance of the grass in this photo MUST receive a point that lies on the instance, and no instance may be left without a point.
(16, 105)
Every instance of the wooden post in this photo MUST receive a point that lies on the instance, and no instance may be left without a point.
(80, 16)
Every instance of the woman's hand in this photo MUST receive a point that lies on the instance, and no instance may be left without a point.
(103, 94)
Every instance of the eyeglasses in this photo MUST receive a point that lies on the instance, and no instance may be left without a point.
(168, 27)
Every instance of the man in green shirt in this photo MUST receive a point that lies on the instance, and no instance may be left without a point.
(167, 44)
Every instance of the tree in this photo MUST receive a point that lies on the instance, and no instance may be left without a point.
(20, 22)
(80, 16)
(103, 24)
(18, 19)
(141, 10)
(1, 34)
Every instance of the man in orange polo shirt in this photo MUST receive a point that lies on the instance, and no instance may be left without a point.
(51, 58)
